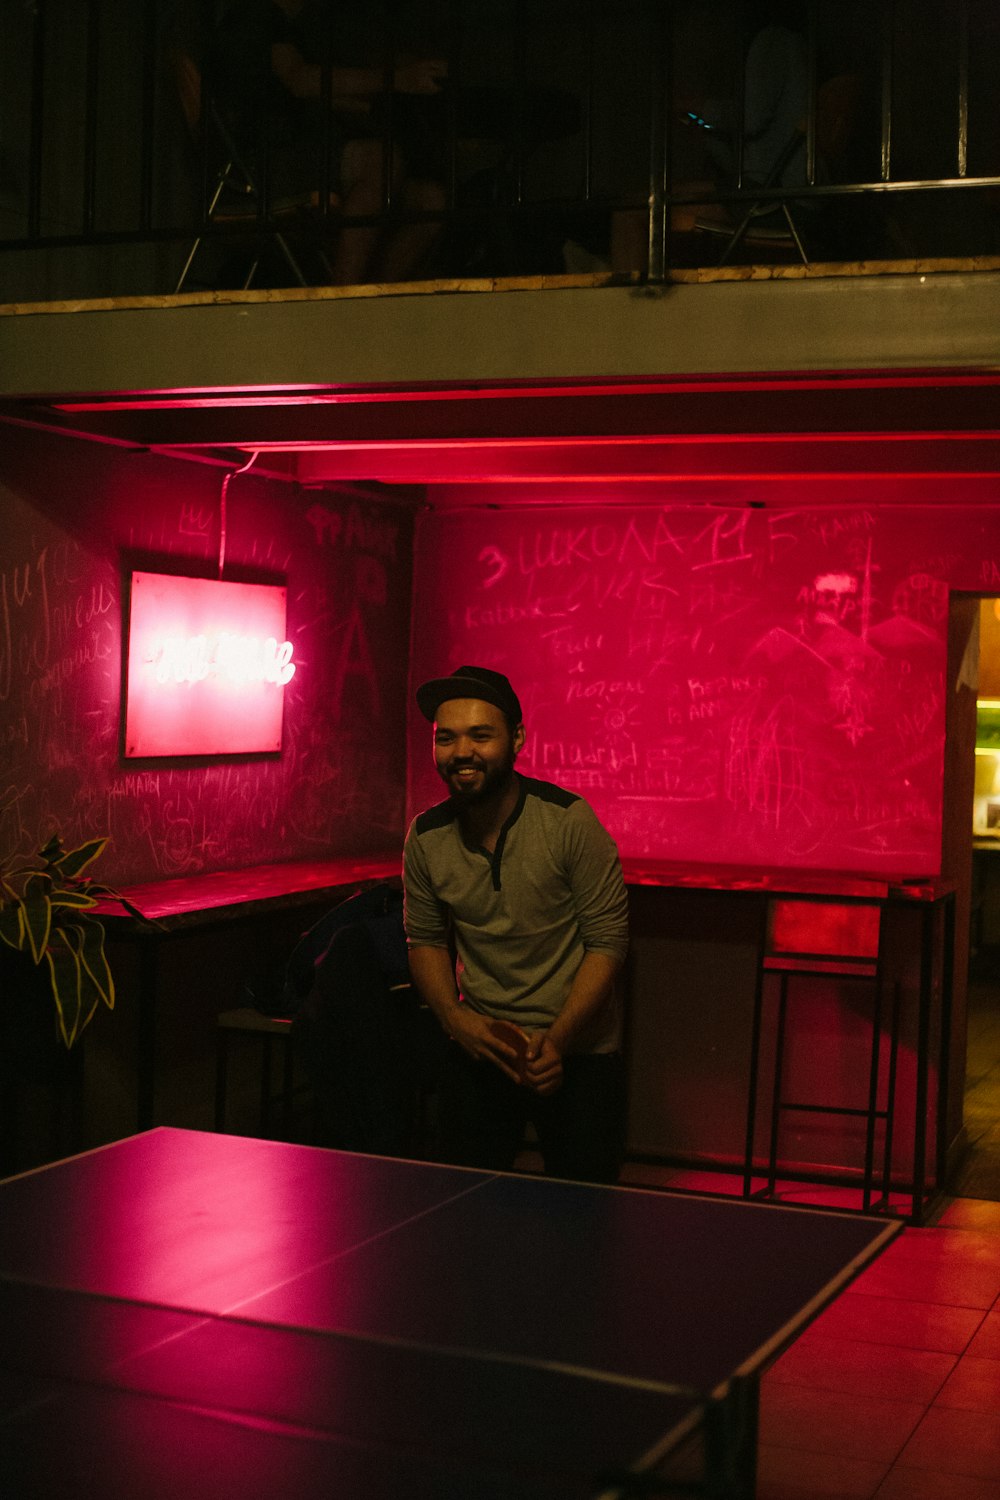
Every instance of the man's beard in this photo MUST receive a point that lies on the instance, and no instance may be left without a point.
(492, 782)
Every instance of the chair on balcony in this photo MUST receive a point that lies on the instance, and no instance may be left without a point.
(236, 194)
(771, 224)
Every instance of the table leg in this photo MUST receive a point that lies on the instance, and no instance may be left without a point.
(146, 1035)
(753, 1079)
(731, 1427)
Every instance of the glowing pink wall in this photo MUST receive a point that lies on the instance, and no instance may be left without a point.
(76, 519)
(739, 685)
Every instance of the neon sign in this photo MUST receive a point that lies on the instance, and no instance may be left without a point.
(207, 666)
(234, 658)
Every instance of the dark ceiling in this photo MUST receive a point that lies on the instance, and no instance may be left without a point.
(920, 425)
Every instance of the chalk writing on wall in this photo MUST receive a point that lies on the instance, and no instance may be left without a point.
(754, 686)
(338, 784)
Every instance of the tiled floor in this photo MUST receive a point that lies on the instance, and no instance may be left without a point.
(981, 1172)
(894, 1392)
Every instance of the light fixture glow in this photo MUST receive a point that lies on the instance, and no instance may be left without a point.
(207, 665)
(233, 658)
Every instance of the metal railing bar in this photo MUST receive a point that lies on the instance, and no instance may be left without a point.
(388, 112)
(518, 40)
(92, 75)
(962, 123)
(812, 45)
(150, 80)
(659, 132)
(587, 118)
(37, 137)
(326, 109)
(662, 72)
(228, 230)
(888, 60)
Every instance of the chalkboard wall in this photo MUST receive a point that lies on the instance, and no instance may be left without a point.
(747, 685)
(751, 685)
(75, 519)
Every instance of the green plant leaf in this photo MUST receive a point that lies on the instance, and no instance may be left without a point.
(12, 925)
(78, 899)
(36, 910)
(44, 899)
(70, 864)
(97, 972)
(64, 966)
(52, 850)
(15, 879)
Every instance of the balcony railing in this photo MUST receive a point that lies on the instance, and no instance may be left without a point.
(555, 136)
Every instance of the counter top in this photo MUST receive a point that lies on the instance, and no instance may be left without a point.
(222, 894)
(836, 883)
(186, 899)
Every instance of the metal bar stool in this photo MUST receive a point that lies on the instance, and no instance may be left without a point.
(267, 1029)
(807, 938)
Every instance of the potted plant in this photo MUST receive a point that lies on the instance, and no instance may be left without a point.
(53, 975)
(45, 905)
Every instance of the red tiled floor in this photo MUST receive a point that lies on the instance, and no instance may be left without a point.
(857, 1369)
(828, 1195)
(974, 1385)
(970, 1213)
(828, 1422)
(948, 1274)
(929, 1484)
(891, 1320)
(986, 1344)
(793, 1474)
(974, 1248)
(977, 1247)
(730, 1185)
(682, 1179)
(956, 1442)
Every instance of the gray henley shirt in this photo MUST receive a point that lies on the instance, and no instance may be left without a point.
(521, 918)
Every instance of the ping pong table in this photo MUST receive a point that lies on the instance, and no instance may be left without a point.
(188, 1316)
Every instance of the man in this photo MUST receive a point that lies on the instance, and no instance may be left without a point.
(517, 879)
(775, 101)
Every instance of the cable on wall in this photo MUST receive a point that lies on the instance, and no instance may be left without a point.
(222, 505)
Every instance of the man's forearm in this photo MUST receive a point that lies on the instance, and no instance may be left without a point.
(589, 993)
(433, 973)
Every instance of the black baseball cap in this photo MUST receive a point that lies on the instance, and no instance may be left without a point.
(469, 682)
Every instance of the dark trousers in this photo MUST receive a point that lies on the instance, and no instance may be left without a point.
(580, 1128)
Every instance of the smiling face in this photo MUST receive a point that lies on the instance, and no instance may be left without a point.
(474, 749)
